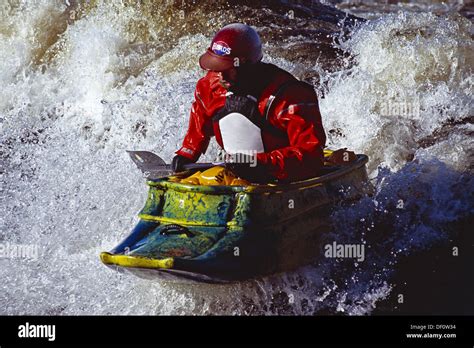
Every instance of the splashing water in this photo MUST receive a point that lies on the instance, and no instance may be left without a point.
(84, 82)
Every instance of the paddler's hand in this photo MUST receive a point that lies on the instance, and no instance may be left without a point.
(247, 167)
(177, 165)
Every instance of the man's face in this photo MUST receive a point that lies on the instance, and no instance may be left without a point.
(228, 78)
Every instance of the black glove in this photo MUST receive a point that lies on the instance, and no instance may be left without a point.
(247, 167)
(177, 165)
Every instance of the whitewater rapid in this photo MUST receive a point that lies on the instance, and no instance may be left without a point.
(80, 85)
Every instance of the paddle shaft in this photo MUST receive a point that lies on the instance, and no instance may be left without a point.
(201, 166)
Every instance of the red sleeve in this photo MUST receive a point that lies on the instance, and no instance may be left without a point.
(297, 112)
(199, 131)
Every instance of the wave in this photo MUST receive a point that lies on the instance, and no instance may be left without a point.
(83, 81)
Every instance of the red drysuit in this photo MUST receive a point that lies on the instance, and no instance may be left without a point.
(287, 104)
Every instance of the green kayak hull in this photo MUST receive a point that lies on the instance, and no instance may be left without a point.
(193, 233)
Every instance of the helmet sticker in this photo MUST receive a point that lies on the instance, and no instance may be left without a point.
(220, 48)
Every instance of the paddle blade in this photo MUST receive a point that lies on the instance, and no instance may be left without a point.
(151, 165)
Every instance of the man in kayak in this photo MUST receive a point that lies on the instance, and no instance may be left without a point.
(265, 118)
